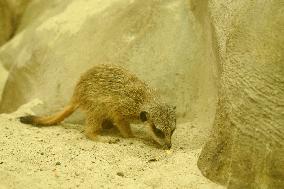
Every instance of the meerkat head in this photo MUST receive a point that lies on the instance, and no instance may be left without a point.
(162, 122)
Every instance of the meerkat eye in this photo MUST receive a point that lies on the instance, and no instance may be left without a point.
(159, 133)
(143, 116)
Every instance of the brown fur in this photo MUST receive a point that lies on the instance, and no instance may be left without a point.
(109, 92)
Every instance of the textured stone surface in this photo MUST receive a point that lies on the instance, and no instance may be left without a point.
(246, 148)
(3, 78)
(11, 12)
(6, 22)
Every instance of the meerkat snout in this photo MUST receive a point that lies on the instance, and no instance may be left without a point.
(162, 123)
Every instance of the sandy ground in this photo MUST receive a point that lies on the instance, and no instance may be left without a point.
(61, 157)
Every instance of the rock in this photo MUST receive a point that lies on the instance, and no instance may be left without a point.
(152, 160)
(246, 147)
(121, 174)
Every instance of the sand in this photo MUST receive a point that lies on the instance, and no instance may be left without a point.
(62, 157)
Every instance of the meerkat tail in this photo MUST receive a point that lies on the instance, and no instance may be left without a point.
(52, 119)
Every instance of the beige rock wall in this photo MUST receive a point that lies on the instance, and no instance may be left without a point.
(11, 12)
(6, 22)
(246, 147)
(3, 78)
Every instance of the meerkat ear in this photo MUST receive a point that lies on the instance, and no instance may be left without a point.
(143, 116)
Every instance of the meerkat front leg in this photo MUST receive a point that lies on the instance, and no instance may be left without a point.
(123, 127)
(93, 126)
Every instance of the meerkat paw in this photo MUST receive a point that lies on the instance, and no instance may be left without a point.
(127, 135)
(91, 135)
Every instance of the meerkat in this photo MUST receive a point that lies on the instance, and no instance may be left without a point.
(110, 92)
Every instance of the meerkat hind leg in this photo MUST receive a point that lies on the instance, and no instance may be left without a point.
(93, 127)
